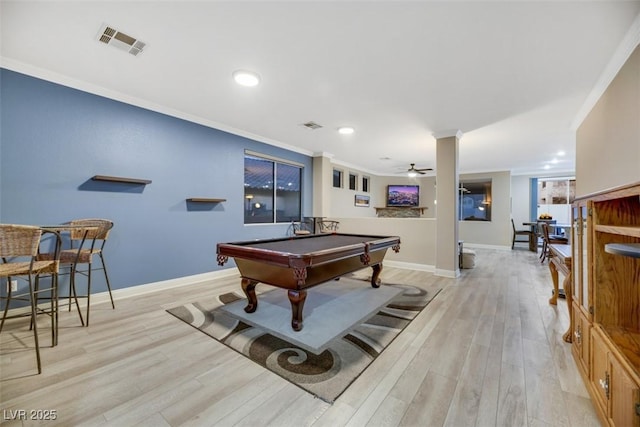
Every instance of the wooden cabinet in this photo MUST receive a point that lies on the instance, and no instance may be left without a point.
(625, 393)
(600, 372)
(581, 290)
(616, 388)
(606, 309)
(581, 338)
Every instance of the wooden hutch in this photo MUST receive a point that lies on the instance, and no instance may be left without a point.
(606, 304)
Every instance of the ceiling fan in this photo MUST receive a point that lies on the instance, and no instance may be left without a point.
(412, 171)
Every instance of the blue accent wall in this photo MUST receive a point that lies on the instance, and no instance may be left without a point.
(53, 139)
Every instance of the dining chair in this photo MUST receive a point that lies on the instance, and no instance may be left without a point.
(548, 239)
(517, 233)
(328, 226)
(19, 245)
(300, 228)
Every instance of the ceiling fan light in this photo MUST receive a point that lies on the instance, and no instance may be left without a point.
(246, 78)
(412, 174)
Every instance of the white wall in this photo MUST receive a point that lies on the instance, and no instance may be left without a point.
(520, 199)
(417, 237)
(418, 234)
(608, 140)
(497, 232)
(343, 199)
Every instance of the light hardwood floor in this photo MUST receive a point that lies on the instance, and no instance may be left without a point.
(487, 351)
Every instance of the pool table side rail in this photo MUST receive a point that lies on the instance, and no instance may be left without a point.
(290, 259)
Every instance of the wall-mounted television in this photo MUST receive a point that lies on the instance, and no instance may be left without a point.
(403, 195)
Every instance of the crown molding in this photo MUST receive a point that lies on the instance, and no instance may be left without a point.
(626, 47)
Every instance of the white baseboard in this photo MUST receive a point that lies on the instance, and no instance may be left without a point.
(410, 266)
(103, 297)
(452, 274)
(481, 246)
(163, 285)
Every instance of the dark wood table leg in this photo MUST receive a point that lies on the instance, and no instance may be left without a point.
(375, 280)
(533, 242)
(297, 299)
(249, 289)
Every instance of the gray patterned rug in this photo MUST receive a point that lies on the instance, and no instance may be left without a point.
(327, 373)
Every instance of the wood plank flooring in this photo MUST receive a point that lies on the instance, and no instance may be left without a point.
(487, 351)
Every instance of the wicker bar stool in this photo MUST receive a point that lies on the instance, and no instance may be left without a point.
(87, 238)
(19, 246)
(88, 242)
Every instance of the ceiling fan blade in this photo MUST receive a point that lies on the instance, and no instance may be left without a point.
(423, 170)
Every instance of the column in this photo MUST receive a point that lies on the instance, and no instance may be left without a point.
(322, 184)
(447, 196)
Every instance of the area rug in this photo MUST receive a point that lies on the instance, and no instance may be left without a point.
(327, 372)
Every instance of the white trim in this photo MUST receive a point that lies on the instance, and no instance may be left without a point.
(452, 274)
(620, 56)
(119, 294)
(481, 246)
(448, 134)
(164, 285)
(30, 70)
(252, 153)
(410, 266)
(323, 154)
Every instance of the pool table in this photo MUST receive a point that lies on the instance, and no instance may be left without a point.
(300, 262)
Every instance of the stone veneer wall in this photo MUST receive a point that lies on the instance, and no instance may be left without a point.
(400, 212)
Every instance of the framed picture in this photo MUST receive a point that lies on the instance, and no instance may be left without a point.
(362, 201)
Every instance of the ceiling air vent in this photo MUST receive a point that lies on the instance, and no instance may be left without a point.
(311, 125)
(120, 40)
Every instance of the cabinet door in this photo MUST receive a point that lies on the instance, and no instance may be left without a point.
(624, 397)
(583, 242)
(600, 371)
(576, 255)
(576, 343)
(581, 339)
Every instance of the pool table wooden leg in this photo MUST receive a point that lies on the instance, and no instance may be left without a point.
(249, 289)
(297, 299)
(375, 281)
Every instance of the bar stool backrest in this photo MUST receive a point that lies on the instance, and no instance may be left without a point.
(19, 240)
(101, 233)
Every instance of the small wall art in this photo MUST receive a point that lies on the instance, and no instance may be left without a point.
(362, 201)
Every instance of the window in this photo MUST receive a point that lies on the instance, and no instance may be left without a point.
(272, 190)
(555, 196)
(353, 180)
(475, 200)
(365, 184)
(559, 191)
(337, 178)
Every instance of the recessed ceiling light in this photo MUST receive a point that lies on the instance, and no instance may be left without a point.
(346, 130)
(561, 153)
(547, 166)
(246, 78)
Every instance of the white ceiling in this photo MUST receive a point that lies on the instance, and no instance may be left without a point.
(515, 77)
